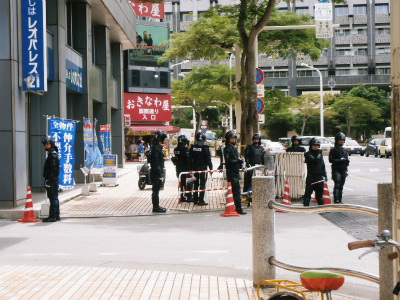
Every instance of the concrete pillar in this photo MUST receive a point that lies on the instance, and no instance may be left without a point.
(263, 220)
(385, 222)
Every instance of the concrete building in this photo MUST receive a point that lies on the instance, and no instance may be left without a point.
(360, 52)
(87, 34)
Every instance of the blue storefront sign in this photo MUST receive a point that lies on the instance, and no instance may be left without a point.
(74, 76)
(34, 45)
(63, 133)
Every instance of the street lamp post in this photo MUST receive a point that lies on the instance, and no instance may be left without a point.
(321, 105)
(230, 88)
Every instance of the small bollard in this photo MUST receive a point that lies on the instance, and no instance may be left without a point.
(263, 219)
(385, 222)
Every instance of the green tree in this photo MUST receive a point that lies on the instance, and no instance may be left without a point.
(201, 86)
(307, 106)
(355, 110)
(214, 35)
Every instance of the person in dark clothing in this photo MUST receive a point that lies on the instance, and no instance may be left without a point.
(254, 155)
(296, 145)
(157, 169)
(316, 173)
(51, 171)
(233, 164)
(339, 158)
(181, 152)
(200, 158)
(220, 153)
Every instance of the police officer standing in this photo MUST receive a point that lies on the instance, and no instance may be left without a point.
(181, 152)
(296, 145)
(316, 173)
(233, 164)
(157, 169)
(50, 173)
(339, 158)
(200, 158)
(254, 155)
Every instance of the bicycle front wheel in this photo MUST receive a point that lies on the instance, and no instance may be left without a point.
(285, 296)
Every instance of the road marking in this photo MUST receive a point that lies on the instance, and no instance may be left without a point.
(192, 259)
(108, 253)
(355, 170)
(34, 254)
(213, 251)
(363, 179)
(61, 254)
(241, 268)
(374, 170)
(346, 188)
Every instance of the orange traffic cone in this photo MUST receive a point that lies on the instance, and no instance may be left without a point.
(230, 205)
(286, 196)
(28, 214)
(326, 196)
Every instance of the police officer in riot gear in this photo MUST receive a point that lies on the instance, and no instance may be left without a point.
(339, 158)
(181, 152)
(296, 145)
(51, 171)
(157, 169)
(254, 155)
(316, 173)
(233, 164)
(200, 158)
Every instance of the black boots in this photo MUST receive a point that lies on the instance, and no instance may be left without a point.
(240, 211)
(49, 219)
(159, 209)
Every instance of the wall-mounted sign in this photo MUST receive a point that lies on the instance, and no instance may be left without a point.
(148, 107)
(34, 45)
(147, 9)
(74, 76)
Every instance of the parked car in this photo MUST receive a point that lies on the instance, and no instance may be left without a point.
(325, 143)
(331, 140)
(285, 142)
(372, 147)
(273, 147)
(353, 147)
(385, 148)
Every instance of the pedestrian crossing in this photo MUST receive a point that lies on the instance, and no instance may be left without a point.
(371, 170)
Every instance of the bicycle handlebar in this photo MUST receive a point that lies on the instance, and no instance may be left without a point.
(360, 244)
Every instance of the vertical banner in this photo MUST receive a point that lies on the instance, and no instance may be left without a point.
(34, 45)
(105, 139)
(98, 161)
(63, 133)
(88, 144)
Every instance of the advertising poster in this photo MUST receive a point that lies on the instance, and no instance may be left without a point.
(110, 169)
(88, 145)
(148, 107)
(98, 160)
(105, 139)
(63, 133)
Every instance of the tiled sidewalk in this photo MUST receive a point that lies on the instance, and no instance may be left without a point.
(127, 199)
(84, 283)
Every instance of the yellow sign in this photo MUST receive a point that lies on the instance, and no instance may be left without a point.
(138, 133)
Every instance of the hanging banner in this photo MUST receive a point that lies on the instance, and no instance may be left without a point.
(63, 133)
(88, 145)
(148, 107)
(147, 9)
(105, 139)
(34, 45)
(98, 160)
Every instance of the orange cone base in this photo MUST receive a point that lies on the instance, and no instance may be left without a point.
(28, 220)
(230, 214)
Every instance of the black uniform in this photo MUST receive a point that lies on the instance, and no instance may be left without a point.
(200, 158)
(181, 152)
(254, 155)
(339, 158)
(296, 149)
(156, 172)
(233, 165)
(315, 172)
(51, 171)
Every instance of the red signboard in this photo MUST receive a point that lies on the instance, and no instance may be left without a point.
(147, 9)
(148, 107)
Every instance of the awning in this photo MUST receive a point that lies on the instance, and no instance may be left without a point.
(153, 128)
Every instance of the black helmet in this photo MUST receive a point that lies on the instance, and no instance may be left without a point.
(313, 142)
(182, 139)
(256, 136)
(200, 137)
(48, 139)
(160, 136)
(339, 136)
(230, 134)
(295, 138)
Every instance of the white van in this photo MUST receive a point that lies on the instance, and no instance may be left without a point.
(388, 132)
(189, 133)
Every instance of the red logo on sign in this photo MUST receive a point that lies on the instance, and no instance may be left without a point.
(148, 107)
(146, 9)
(104, 128)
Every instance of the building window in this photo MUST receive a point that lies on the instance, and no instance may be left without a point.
(276, 74)
(351, 52)
(135, 76)
(360, 9)
(351, 72)
(383, 71)
(283, 8)
(302, 10)
(346, 32)
(324, 53)
(310, 73)
(168, 17)
(382, 8)
(341, 10)
(186, 17)
(380, 31)
(385, 50)
(164, 79)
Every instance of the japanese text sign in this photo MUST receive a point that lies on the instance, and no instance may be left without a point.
(148, 107)
(105, 139)
(34, 44)
(88, 144)
(147, 9)
(63, 133)
(323, 29)
(323, 12)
